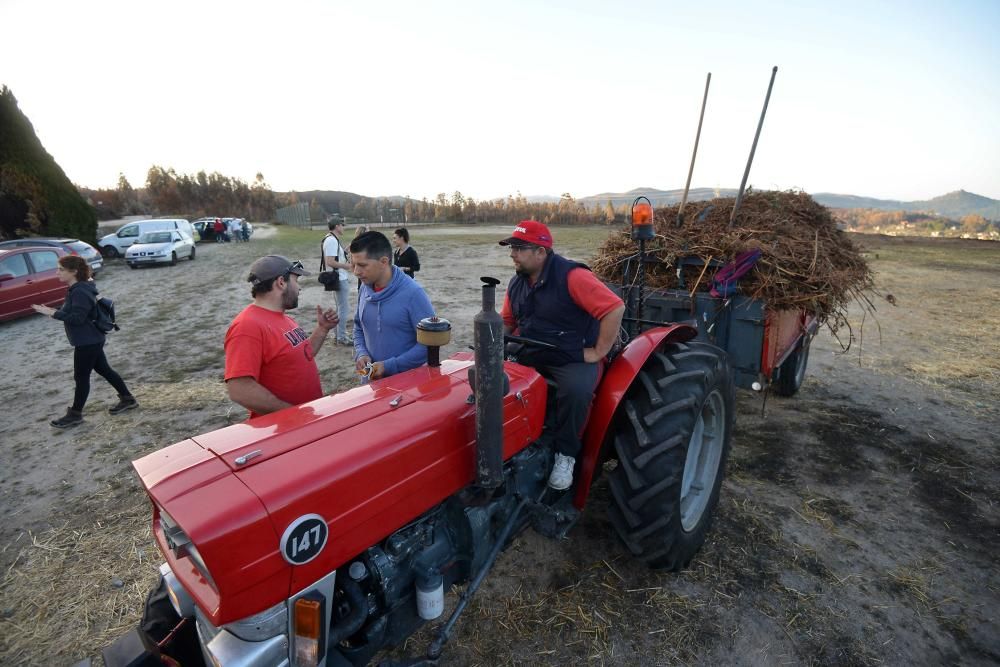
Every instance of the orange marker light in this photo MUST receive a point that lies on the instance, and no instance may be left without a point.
(642, 219)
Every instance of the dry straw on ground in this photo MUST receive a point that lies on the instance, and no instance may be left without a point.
(806, 262)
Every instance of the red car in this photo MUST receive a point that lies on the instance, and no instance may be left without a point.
(27, 276)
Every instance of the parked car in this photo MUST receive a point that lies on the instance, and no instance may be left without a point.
(115, 245)
(71, 246)
(163, 247)
(27, 276)
(205, 229)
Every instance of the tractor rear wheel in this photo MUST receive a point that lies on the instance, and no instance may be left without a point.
(671, 436)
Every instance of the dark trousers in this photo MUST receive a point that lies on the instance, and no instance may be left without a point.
(576, 384)
(87, 358)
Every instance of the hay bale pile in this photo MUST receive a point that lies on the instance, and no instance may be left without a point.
(806, 262)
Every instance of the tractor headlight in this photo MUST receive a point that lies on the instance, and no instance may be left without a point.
(269, 623)
(182, 546)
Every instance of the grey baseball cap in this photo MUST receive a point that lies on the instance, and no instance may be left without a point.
(272, 266)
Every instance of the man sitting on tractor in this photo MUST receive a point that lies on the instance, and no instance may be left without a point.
(560, 302)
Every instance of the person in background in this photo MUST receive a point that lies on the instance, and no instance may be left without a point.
(390, 304)
(245, 230)
(270, 361)
(358, 231)
(219, 228)
(404, 256)
(335, 258)
(559, 301)
(87, 340)
(235, 230)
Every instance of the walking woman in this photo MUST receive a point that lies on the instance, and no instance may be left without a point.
(76, 315)
(404, 256)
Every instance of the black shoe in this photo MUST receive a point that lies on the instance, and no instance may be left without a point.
(71, 418)
(125, 402)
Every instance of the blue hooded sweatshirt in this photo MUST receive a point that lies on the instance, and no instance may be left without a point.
(387, 323)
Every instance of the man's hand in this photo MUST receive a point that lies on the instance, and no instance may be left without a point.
(44, 310)
(610, 324)
(361, 362)
(326, 319)
(378, 370)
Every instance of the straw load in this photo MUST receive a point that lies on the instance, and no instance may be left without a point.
(805, 261)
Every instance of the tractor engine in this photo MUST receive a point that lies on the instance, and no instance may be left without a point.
(400, 583)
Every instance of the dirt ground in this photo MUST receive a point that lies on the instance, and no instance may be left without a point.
(859, 523)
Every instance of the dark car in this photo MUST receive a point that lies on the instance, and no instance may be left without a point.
(27, 276)
(71, 246)
(205, 229)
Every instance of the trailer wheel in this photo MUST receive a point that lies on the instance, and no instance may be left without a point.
(671, 436)
(792, 371)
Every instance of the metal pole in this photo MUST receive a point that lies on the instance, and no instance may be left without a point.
(753, 149)
(694, 154)
(642, 283)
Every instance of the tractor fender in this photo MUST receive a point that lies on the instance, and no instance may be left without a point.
(616, 380)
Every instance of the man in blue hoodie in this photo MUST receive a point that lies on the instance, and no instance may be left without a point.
(390, 304)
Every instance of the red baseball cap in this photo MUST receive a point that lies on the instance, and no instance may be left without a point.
(530, 231)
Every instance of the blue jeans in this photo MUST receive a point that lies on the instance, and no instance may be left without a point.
(343, 292)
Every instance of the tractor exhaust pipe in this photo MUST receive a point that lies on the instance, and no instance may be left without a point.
(488, 388)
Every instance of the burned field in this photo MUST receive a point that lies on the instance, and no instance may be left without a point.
(859, 523)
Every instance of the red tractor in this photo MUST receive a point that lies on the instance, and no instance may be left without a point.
(311, 537)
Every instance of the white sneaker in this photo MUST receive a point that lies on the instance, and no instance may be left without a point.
(562, 473)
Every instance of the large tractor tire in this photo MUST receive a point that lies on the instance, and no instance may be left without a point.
(792, 371)
(671, 436)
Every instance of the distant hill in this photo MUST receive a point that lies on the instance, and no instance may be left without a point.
(657, 197)
(952, 205)
(955, 205)
(332, 201)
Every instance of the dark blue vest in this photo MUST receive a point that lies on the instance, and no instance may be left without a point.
(547, 312)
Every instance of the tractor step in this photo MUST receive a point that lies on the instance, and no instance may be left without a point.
(553, 520)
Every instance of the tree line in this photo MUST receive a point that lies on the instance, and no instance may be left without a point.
(868, 220)
(194, 195)
(204, 194)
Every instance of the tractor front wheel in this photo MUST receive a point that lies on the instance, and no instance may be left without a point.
(671, 438)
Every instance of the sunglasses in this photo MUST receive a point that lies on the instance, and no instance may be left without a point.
(296, 266)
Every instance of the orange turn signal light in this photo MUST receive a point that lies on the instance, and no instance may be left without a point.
(307, 618)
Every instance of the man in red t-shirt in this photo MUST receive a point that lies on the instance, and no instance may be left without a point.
(270, 361)
(560, 302)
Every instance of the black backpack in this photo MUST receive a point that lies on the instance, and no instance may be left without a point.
(104, 315)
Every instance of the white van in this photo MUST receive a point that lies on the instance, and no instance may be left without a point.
(115, 245)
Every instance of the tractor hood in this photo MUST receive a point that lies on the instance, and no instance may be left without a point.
(250, 514)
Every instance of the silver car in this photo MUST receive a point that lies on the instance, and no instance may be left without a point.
(163, 247)
(71, 246)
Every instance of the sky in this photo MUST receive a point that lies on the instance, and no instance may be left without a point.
(895, 100)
